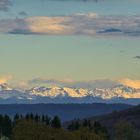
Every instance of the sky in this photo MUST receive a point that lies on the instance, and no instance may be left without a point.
(80, 43)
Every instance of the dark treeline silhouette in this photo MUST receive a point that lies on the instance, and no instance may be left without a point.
(7, 124)
(54, 122)
(42, 127)
(95, 127)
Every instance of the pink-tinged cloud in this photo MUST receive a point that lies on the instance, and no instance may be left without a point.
(130, 83)
(48, 25)
(90, 24)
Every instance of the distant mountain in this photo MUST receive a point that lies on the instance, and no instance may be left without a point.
(119, 91)
(9, 94)
(4, 86)
(65, 111)
(117, 94)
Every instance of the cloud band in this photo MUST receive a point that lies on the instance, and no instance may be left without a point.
(78, 24)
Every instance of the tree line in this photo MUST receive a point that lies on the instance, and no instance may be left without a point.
(7, 124)
(42, 127)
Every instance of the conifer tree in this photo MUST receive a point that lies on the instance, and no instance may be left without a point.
(47, 120)
(36, 118)
(56, 123)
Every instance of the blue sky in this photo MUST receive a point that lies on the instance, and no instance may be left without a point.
(71, 39)
(65, 7)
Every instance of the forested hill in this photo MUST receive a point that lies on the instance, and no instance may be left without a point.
(131, 115)
(64, 111)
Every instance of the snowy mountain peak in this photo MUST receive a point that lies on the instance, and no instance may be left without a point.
(117, 92)
(58, 91)
(4, 87)
(48, 94)
(108, 93)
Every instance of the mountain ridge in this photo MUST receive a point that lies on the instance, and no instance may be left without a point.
(64, 111)
(42, 94)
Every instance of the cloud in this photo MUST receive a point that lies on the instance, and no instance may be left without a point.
(21, 85)
(92, 84)
(5, 4)
(130, 82)
(111, 30)
(137, 57)
(23, 13)
(78, 24)
(5, 78)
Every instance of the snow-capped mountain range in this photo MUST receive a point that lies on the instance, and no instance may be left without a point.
(65, 94)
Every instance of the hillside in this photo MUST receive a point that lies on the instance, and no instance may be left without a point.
(131, 115)
(64, 111)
